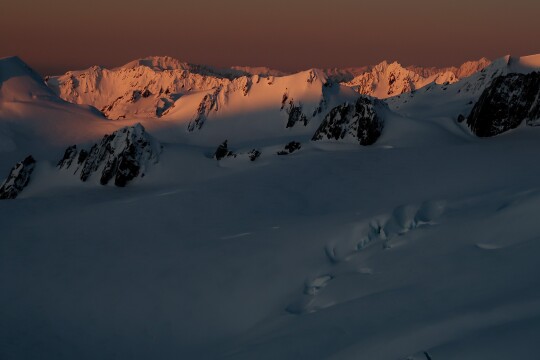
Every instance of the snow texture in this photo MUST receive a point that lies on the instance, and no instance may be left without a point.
(423, 245)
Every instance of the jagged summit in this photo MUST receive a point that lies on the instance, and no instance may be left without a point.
(390, 79)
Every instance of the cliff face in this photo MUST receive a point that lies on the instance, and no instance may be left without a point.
(122, 156)
(359, 120)
(505, 104)
(18, 178)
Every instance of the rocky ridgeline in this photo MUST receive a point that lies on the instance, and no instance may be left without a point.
(122, 156)
(18, 178)
(359, 120)
(505, 104)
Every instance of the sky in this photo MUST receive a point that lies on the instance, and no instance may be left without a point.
(54, 36)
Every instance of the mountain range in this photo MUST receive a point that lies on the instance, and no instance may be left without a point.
(164, 209)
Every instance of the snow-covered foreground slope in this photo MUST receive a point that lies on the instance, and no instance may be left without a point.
(423, 245)
(331, 252)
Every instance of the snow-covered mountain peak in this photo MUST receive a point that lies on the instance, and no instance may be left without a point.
(18, 82)
(455, 99)
(388, 79)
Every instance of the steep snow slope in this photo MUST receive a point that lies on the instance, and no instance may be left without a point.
(258, 108)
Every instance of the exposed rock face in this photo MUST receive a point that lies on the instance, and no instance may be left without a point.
(223, 151)
(296, 115)
(18, 178)
(208, 103)
(290, 148)
(254, 154)
(69, 155)
(359, 120)
(122, 156)
(505, 104)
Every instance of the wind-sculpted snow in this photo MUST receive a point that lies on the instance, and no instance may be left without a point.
(122, 156)
(18, 178)
(506, 103)
(359, 121)
(383, 229)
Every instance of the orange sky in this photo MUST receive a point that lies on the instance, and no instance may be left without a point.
(56, 35)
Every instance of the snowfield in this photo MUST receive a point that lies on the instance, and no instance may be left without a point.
(423, 245)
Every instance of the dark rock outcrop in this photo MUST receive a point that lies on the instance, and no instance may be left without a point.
(207, 104)
(254, 154)
(122, 156)
(296, 115)
(223, 151)
(69, 155)
(359, 120)
(290, 148)
(18, 178)
(505, 104)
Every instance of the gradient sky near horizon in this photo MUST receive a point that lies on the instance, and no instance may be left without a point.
(58, 35)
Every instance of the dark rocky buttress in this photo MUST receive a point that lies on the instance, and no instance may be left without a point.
(122, 156)
(18, 178)
(505, 104)
(359, 120)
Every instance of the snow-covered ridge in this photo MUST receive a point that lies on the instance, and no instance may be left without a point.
(464, 70)
(390, 79)
(150, 87)
(143, 88)
(455, 99)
